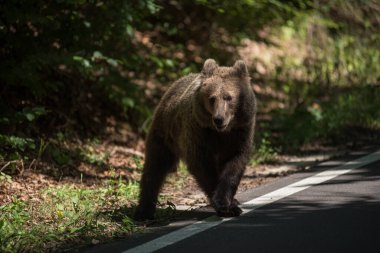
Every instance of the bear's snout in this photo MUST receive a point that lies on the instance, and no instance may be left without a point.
(218, 120)
(220, 123)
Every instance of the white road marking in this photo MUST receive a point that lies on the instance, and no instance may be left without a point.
(253, 204)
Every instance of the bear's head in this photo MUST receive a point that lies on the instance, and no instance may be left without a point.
(221, 94)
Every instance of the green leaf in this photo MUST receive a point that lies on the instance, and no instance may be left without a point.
(82, 60)
(129, 30)
(112, 62)
(169, 63)
(96, 55)
(30, 116)
(60, 207)
(128, 102)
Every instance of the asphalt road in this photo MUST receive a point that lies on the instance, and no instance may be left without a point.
(341, 214)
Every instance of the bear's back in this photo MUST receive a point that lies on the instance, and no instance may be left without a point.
(174, 110)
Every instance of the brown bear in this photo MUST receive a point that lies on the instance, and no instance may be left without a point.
(207, 120)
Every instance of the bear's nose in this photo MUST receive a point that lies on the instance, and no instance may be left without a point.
(218, 120)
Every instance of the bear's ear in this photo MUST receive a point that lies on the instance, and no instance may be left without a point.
(240, 68)
(208, 67)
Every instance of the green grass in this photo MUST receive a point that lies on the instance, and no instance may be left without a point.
(68, 215)
(90, 156)
(179, 178)
(265, 152)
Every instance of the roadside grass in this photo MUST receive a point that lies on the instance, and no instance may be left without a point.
(179, 178)
(68, 215)
(264, 151)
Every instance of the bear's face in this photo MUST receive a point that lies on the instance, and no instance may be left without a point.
(220, 92)
(220, 98)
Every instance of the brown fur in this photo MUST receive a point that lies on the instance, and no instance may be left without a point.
(207, 120)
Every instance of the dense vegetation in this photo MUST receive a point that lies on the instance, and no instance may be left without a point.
(68, 65)
(76, 72)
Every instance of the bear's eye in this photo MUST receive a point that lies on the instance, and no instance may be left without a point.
(212, 100)
(227, 98)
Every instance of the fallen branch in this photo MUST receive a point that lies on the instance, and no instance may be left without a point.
(7, 164)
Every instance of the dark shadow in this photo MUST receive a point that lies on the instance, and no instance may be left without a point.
(163, 216)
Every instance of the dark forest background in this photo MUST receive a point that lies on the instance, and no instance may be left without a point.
(69, 66)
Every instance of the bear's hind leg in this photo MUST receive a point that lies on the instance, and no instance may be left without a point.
(159, 161)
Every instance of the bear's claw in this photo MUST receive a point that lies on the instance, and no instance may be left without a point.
(233, 211)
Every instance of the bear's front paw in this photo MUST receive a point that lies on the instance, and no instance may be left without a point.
(235, 211)
(227, 210)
